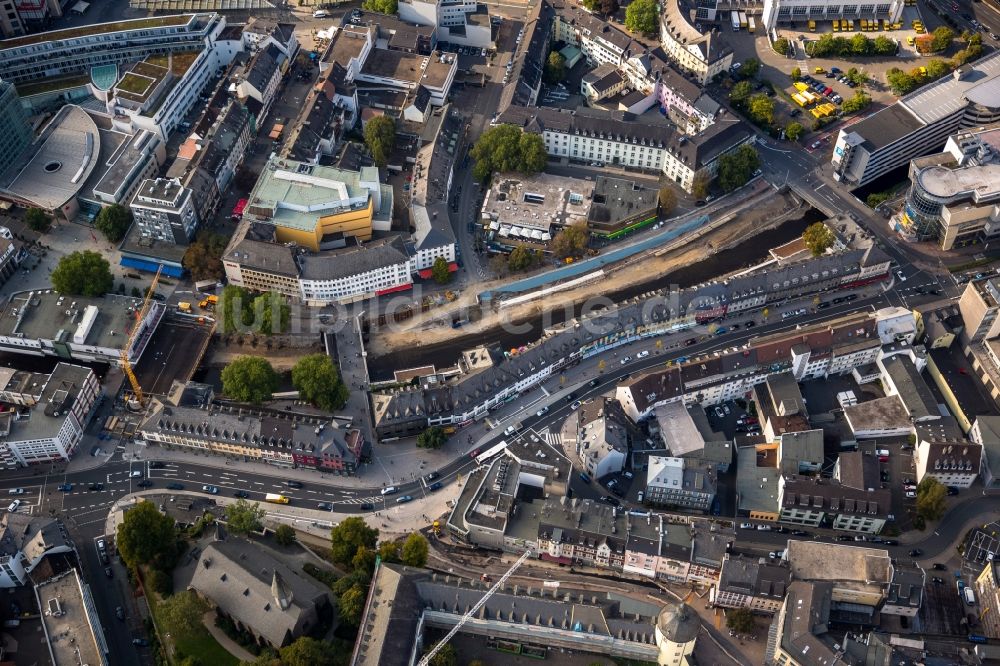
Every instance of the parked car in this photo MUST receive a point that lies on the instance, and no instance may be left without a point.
(120, 613)
(952, 490)
(141, 642)
(625, 359)
(175, 486)
(613, 501)
(937, 566)
(241, 494)
(16, 491)
(109, 572)
(910, 494)
(764, 528)
(746, 526)
(643, 354)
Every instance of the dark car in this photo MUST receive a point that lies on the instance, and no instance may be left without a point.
(844, 537)
(890, 542)
(293, 484)
(952, 490)
(431, 476)
(690, 341)
(175, 486)
(66, 487)
(749, 324)
(367, 507)
(120, 613)
(435, 486)
(145, 483)
(141, 642)
(916, 552)
(108, 572)
(608, 499)
(96, 486)
(571, 397)
(800, 533)
(241, 494)
(324, 506)
(594, 382)
(939, 567)
(156, 465)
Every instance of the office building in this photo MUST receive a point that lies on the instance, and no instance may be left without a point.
(781, 13)
(25, 541)
(15, 133)
(943, 453)
(71, 626)
(680, 483)
(753, 583)
(954, 196)
(979, 305)
(602, 437)
(163, 209)
(987, 588)
(918, 123)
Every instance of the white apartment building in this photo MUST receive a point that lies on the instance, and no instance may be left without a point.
(701, 55)
(262, 77)
(402, 71)
(75, 50)
(376, 267)
(463, 22)
(918, 123)
(944, 454)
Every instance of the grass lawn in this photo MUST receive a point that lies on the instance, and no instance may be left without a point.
(97, 29)
(49, 85)
(200, 644)
(134, 83)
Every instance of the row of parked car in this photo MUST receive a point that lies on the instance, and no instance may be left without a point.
(822, 88)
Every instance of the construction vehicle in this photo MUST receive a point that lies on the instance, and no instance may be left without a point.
(130, 340)
(209, 302)
(184, 306)
(437, 528)
(475, 609)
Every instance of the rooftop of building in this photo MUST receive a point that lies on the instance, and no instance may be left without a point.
(980, 183)
(757, 479)
(593, 24)
(69, 629)
(321, 437)
(120, 155)
(355, 260)
(581, 522)
(297, 194)
(60, 391)
(269, 27)
(603, 78)
(161, 193)
(857, 469)
(347, 44)
(431, 171)
(616, 200)
(857, 567)
(814, 493)
(909, 383)
(687, 474)
(785, 394)
(685, 429)
(47, 315)
(141, 80)
(887, 126)
(754, 576)
(805, 619)
(431, 71)
(976, 83)
(65, 34)
(53, 169)
(537, 202)
(906, 587)
(33, 536)
(136, 245)
(708, 45)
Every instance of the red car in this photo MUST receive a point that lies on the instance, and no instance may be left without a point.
(828, 91)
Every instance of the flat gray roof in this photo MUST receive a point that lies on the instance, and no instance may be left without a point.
(886, 126)
(69, 632)
(757, 486)
(41, 315)
(976, 83)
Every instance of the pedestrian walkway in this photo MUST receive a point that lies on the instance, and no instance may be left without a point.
(231, 646)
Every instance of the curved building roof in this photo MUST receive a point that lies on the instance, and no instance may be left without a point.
(54, 168)
(104, 76)
(678, 623)
(980, 183)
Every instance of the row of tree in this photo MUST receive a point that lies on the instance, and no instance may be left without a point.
(830, 45)
(252, 379)
(240, 311)
(901, 82)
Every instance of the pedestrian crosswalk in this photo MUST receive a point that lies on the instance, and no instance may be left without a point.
(554, 439)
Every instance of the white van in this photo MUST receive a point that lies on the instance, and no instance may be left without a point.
(389, 490)
(320, 13)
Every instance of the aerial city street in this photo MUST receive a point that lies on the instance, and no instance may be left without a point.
(452, 333)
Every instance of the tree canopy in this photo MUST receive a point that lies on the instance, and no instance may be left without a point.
(249, 379)
(234, 302)
(113, 221)
(83, 273)
(271, 313)
(146, 536)
(348, 536)
(440, 271)
(931, 497)
(284, 535)
(818, 238)
(36, 219)
(523, 258)
(380, 134)
(642, 16)
(414, 550)
(245, 517)
(831, 45)
(737, 167)
(781, 46)
(761, 110)
(351, 605)
(318, 382)
(381, 6)
(241, 312)
(941, 38)
(571, 241)
(431, 438)
(555, 67)
(793, 131)
(307, 651)
(667, 199)
(740, 620)
(203, 257)
(505, 148)
(181, 613)
(858, 102)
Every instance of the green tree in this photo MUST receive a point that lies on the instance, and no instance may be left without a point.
(700, 184)
(431, 438)
(857, 77)
(363, 561)
(388, 551)
(818, 238)
(591, 5)
(931, 497)
(667, 200)
(389, 7)
(249, 379)
(352, 604)
(555, 67)
(440, 272)
(523, 258)
(181, 613)
(796, 74)
(937, 68)
(900, 82)
(245, 517)
(414, 550)
(882, 45)
(284, 535)
(860, 45)
(875, 199)
(858, 102)
(355, 578)
(36, 219)
(740, 620)
(234, 308)
(571, 241)
(781, 46)
(761, 110)
(83, 273)
(740, 93)
(737, 167)
(318, 382)
(446, 656)
(349, 535)
(272, 314)
(161, 582)
(942, 38)
(750, 68)
(506, 148)
(642, 16)
(113, 221)
(203, 257)
(145, 536)
(380, 137)
(793, 131)
(307, 651)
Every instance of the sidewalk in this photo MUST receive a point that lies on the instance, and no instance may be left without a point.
(231, 646)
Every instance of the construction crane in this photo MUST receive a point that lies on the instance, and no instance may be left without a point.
(123, 352)
(475, 609)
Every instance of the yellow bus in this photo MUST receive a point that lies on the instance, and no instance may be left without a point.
(274, 498)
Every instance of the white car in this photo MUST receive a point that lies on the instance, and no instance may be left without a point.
(718, 412)
(510, 430)
(816, 144)
(764, 528)
(542, 412)
(725, 408)
(900, 275)
(13, 506)
(575, 405)
(16, 491)
(910, 494)
(746, 526)
(643, 354)
(626, 359)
